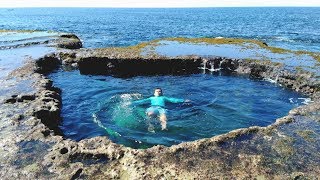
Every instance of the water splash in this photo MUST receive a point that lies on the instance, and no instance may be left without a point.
(298, 101)
(275, 80)
(204, 63)
(122, 114)
(212, 69)
(99, 123)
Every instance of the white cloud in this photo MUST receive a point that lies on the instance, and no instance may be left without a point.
(156, 3)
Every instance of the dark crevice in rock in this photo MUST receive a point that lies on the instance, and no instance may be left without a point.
(28, 97)
(11, 100)
(89, 159)
(63, 150)
(20, 98)
(77, 174)
(46, 133)
(50, 118)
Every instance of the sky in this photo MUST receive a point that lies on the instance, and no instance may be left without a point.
(157, 3)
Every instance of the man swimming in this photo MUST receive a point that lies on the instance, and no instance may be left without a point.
(158, 106)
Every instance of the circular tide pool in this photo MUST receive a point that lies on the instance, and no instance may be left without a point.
(101, 106)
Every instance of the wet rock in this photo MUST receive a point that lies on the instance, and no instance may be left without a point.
(257, 70)
(68, 57)
(48, 109)
(69, 41)
(20, 98)
(50, 117)
(43, 83)
(47, 63)
(72, 36)
(18, 117)
(27, 97)
(11, 100)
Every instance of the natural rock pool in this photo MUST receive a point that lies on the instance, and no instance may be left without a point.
(101, 106)
(231, 95)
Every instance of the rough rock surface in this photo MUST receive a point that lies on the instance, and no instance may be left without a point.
(287, 149)
(69, 41)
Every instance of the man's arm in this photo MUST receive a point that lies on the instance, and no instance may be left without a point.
(141, 101)
(174, 100)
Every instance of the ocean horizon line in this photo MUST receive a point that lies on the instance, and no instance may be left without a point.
(213, 7)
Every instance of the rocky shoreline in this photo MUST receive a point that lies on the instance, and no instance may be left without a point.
(254, 152)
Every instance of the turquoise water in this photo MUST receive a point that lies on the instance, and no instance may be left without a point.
(101, 106)
(290, 28)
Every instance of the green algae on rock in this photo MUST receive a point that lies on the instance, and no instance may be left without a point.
(308, 135)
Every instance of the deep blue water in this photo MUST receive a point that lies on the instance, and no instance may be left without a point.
(101, 106)
(292, 28)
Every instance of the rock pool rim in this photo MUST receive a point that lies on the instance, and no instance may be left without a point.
(189, 64)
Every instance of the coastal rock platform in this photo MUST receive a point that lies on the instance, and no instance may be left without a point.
(33, 146)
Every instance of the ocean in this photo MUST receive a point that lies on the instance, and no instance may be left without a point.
(291, 28)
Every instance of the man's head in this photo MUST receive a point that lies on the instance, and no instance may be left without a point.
(157, 92)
